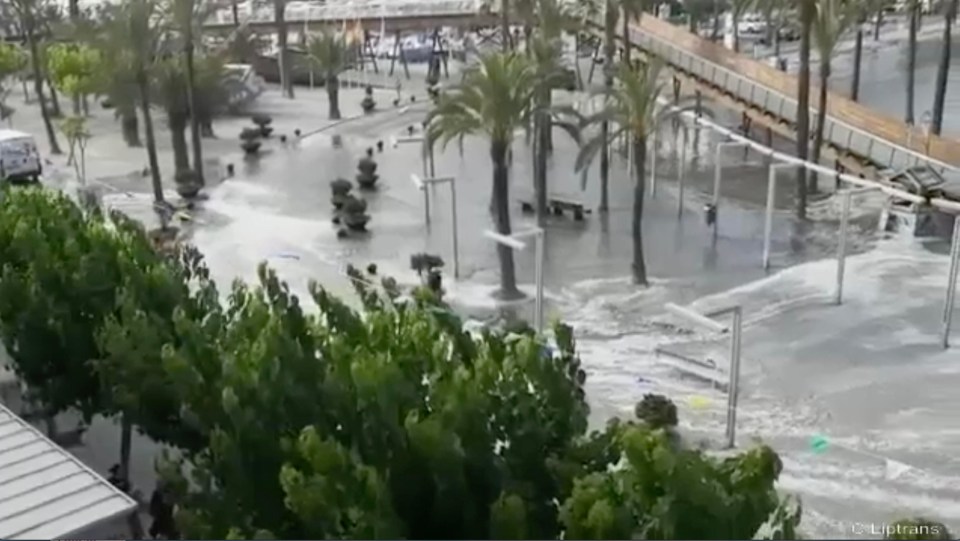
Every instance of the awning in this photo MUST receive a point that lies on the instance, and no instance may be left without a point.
(46, 492)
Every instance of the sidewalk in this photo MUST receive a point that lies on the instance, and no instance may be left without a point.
(109, 160)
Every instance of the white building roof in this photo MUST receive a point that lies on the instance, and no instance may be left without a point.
(46, 492)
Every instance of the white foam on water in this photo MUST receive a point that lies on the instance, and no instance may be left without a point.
(884, 283)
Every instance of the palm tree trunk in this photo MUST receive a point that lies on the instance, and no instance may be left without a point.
(283, 61)
(715, 31)
(542, 127)
(911, 61)
(38, 84)
(144, 89)
(610, 21)
(129, 127)
(639, 191)
(736, 34)
(177, 121)
(55, 110)
(821, 121)
(501, 201)
(626, 38)
(506, 45)
(857, 61)
(333, 97)
(943, 70)
(803, 104)
(195, 137)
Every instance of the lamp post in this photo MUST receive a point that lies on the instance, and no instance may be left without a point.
(426, 161)
(842, 245)
(771, 196)
(952, 283)
(707, 321)
(513, 242)
(422, 184)
(718, 176)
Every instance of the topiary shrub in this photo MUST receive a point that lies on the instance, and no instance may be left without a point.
(657, 411)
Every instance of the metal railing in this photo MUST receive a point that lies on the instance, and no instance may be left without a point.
(356, 9)
(878, 150)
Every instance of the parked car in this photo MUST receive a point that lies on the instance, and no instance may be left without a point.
(19, 157)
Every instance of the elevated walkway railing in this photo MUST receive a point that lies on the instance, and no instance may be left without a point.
(351, 10)
(849, 126)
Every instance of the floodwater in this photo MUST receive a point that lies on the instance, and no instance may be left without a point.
(867, 375)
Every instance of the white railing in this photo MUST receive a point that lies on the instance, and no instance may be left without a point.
(356, 9)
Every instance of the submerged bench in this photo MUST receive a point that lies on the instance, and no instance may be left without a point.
(557, 205)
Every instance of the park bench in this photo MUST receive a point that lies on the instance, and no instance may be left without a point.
(557, 205)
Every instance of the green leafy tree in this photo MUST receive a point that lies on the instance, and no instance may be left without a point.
(75, 129)
(391, 423)
(73, 69)
(495, 99)
(331, 55)
(663, 493)
(12, 62)
(28, 12)
(631, 106)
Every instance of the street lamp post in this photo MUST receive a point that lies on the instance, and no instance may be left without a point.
(426, 160)
(513, 242)
(952, 283)
(771, 196)
(718, 175)
(422, 184)
(842, 245)
(708, 322)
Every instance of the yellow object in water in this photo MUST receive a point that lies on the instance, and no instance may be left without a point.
(699, 402)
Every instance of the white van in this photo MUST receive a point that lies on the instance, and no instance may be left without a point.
(19, 157)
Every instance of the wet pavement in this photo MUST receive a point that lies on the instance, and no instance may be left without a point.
(866, 374)
(279, 210)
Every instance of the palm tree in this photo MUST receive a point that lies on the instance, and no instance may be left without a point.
(331, 56)
(283, 59)
(831, 21)
(913, 6)
(186, 14)
(632, 106)
(807, 14)
(737, 9)
(774, 17)
(26, 11)
(545, 51)
(631, 11)
(170, 83)
(494, 100)
(609, 42)
(867, 9)
(133, 29)
(943, 70)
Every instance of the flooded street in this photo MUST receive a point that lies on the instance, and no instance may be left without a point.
(868, 375)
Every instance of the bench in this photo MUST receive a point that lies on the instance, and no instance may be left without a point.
(557, 205)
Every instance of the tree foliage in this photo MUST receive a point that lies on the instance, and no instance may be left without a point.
(74, 68)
